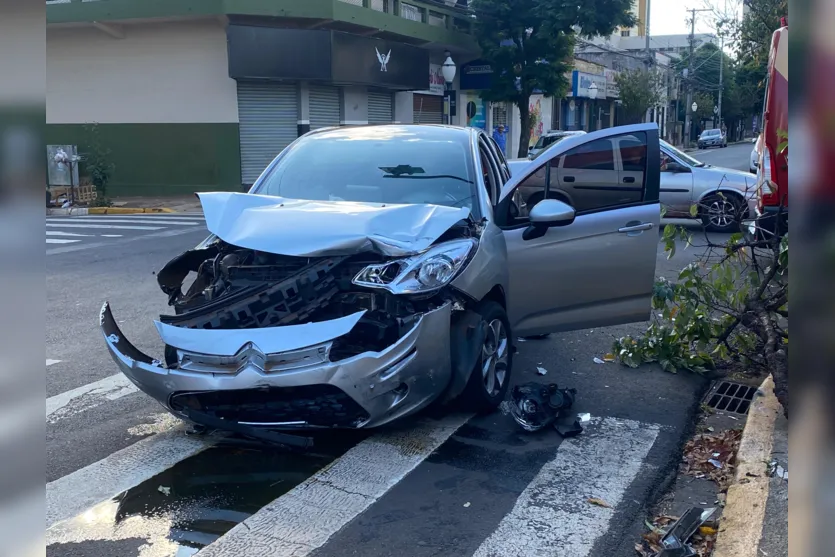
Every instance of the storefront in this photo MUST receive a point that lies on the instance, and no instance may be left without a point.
(331, 79)
(429, 103)
(584, 110)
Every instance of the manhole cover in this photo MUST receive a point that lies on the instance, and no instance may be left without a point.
(731, 397)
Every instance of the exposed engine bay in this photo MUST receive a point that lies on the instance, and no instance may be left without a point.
(238, 288)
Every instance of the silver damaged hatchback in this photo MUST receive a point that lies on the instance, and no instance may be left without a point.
(371, 271)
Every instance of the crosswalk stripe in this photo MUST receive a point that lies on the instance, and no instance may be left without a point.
(60, 241)
(184, 217)
(114, 227)
(76, 492)
(88, 396)
(303, 520)
(61, 233)
(553, 516)
(127, 221)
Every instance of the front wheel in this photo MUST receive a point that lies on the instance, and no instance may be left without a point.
(721, 213)
(490, 378)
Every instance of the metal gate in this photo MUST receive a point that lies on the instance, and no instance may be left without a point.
(380, 107)
(325, 106)
(268, 116)
(428, 109)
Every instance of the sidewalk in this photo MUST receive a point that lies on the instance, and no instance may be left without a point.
(177, 203)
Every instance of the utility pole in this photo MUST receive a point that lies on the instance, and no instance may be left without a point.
(646, 31)
(689, 76)
(721, 65)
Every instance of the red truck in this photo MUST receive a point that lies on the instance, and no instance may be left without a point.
(773, 155)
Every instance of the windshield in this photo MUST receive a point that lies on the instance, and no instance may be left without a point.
(686, 159)
(708, 133)
(546, 141)
(386, 164)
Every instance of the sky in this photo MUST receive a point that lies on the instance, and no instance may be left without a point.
(670, 17)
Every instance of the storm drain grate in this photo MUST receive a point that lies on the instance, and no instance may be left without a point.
(731, 397)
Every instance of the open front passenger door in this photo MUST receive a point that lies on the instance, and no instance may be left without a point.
(588, 259)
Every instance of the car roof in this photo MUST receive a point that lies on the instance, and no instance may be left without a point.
(425, 131)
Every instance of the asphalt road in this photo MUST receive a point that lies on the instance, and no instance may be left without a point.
(486, 465)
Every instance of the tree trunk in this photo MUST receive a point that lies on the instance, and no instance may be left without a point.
(524, 128)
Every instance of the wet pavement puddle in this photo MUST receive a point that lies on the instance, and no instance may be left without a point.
(193, 503)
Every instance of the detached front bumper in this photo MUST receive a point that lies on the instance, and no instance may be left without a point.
(282, 377)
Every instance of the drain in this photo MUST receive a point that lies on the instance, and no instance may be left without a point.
(733, 398)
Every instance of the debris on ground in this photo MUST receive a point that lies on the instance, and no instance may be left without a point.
(712, 455)
(599, 502)
(598, 360)
(164, 490)
(541, 370)
(467, 504)
(691, 535)
(584, 418)
(535, 406)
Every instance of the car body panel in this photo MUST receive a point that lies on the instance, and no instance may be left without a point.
(555, 284)
(275, 224)
(420, 360)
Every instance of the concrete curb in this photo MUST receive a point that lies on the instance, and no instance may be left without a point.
(79, 211)
(742, 519)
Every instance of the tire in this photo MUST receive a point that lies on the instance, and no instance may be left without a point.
(476, 396)
(725, 216)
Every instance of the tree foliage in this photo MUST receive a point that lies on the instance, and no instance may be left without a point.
(529, 45)
(640, 89)
(730, 305)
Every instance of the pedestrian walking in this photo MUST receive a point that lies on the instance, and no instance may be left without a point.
(500, 135)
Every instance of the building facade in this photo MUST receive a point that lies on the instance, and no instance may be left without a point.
(192, 95)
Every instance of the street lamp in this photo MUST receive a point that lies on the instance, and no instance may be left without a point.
(694, 106)
(593, 91)
(448, 71)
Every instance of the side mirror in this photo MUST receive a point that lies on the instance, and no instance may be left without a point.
(530, 148)
(546, 214)
(676, 168)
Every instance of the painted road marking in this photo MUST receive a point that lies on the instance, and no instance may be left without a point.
(51, 362)
(76, 492)
(87, 396)
(117, 227)
(183, 217)
(141, 238)
(552, 516)
(59, 241)
(61, 233)
(129, 221)
(303, 520)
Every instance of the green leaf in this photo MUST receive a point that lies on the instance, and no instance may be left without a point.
(663, 211)
(694, 210)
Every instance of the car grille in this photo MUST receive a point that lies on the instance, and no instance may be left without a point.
(316, 405)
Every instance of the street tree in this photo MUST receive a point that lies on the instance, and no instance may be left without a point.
(640, 90)
(529, 46)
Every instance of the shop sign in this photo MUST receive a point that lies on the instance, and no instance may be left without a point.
(612, 91)
(581, 81)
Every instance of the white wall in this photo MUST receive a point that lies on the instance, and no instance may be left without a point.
(158, 73)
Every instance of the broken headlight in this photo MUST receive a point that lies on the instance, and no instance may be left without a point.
(431, 270)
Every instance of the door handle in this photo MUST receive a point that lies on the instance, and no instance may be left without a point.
(635, 227)
(629, 180)
(568, 178)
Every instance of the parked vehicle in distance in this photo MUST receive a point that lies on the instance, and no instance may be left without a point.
(549, 138)
(772, 208)
(724, 196)
(754, 160)
(374, 270)
(712, 138)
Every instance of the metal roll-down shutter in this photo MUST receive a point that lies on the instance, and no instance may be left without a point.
(325, 101)
(380, 107)
(428, 109)
(268, 116)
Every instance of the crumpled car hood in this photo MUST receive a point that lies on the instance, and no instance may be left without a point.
(305, 228)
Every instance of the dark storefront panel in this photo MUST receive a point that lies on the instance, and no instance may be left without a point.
(325, 104)
(268, 113)
(322, 55)
(428, 109)
(271, 53)
(380, 107)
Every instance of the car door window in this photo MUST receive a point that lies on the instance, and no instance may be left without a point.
(490, 171)
(588, 176)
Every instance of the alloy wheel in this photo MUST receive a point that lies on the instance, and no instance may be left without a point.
(721, 212)
(495, 357)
